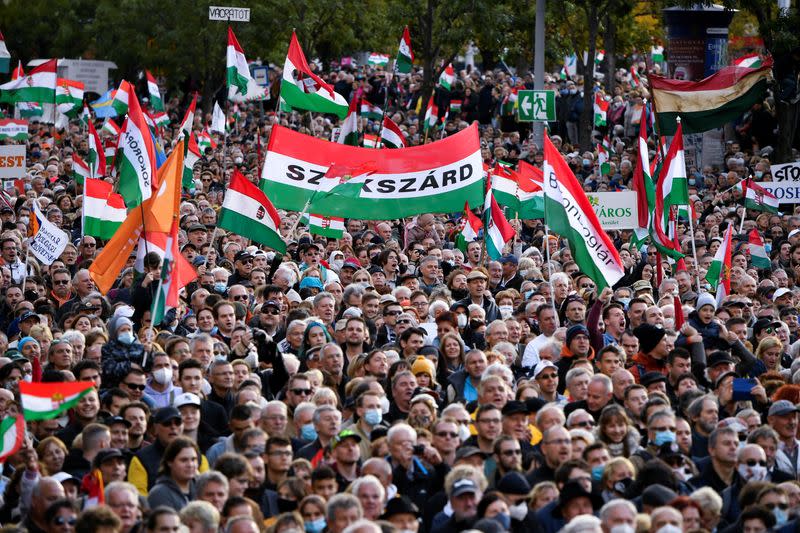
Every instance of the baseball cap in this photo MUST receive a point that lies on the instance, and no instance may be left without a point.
(165, 414)
(541, 366)
(186, 398)
(468, 451)
(111, 420)
(782, 407)
(783, 291)
(344, 434)
(464, 486)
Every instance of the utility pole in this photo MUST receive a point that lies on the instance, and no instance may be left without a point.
(538, 67)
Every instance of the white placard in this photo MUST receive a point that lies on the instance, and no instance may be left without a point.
(12, 161)
(231, 14)
(615, 210)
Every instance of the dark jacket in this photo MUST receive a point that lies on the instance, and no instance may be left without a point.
(116, 360)
(166, 492)
(455, 390)
(421, 483)
(712, 340)
(491, 309)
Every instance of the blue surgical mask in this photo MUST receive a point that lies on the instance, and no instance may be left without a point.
(597, 472)
(768, 247)
(307, 432)
(126, 337)
(373, 417)
(759, 174)
(220, 287)
(781, 516)
(624, 301)
(504, 520)
(315, 526)
(664, 437)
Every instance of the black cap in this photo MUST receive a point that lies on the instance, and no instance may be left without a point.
(196, 227)
(165, 414)
(763, 323)
(514, 483)
(242, 255)
(106, 455)
(649, 336)
(514, 407)
(272, 303)
(572, 490)
(111, 420)
(468, 451)
(652, 377)
(28, 315)
(719, 357)
(399, 505)
(657, 495)
(534, 404)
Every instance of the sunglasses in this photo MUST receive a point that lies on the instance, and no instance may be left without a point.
(781, 506)
(444, 434)
(392, 313)
(752, 462)
(60, 282)
(404, 322)
(242, 298)
(135, 386)
(271, 312)
(303, 392)
(61, 520)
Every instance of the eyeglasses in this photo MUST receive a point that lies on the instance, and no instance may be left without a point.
(663, 428)
(404, 321)
(446, 434)
(509, 453)
(60, 282)
(752, 462)
(301, 392)
(271, 312)
(547, 376)
(134, 386)
(585, 424)
(240, 298)
(781, 506)
(560, 442)
(392, 313)
(62, 520)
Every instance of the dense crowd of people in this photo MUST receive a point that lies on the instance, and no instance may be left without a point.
(389, 381)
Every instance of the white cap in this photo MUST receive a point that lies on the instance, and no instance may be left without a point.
(186, 398)
(124, 310)
(793, 233)
(541, 366)
(783, 291)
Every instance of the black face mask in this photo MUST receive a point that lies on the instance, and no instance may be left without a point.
(286, 506)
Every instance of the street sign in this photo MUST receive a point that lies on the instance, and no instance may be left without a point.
(535, 106)
(231, 14)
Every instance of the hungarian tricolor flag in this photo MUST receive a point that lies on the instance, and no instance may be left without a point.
(758, 254)
(103, 210)
(636, 81)
(719, 273)
(248, 212)
(567, 212)
(154, 92)
(371, 141)
(600, 109)
(470, 226)
(519, 191)
(92, 486)
(151, 241)
(302, 89)
(673, 188)
(349, 131)
(80, 171)
(137, 157)
(5, 57)
(97, 155)
(748, 61)
(12, 434)
(392, 136)
(205, 141)
(332, 227)
(176, 273)
(448, 77)
(241, 85)
(405, 55)
(13, 129)
(69, 96)
(497, 229)
(43, 401)
(711, 102)
(431, 115)
(192, 150)
(758, 198)
(39, 86)
(109, 126)
(370, 111)
(377, 59)
(122, 97)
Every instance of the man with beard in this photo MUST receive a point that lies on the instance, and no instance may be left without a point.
(703, 414)
(507, 456)
(355, 337)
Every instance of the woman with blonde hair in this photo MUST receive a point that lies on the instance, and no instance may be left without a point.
(768, 353)
(52, 452)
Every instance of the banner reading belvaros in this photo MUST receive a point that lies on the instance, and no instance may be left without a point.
(435, 178)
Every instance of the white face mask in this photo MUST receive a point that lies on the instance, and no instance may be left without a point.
(622, 528)
(669, 528)
(337, 264)
(752, 473)
(519, 511)
(28, 378)
(463, 432)
(162, 376)
(506, 311)
(462, 321)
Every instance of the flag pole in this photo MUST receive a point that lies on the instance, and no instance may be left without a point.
(549, 264)
(385, 107)
(694, 249)
(27, 255)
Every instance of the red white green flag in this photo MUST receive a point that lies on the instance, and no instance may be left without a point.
(448, 77)
(471, 225)
(155, 93)
(103, 210)
(567, 212)
(69, 96)
(241, 85)
(80, 170)
(12, 434)
(122, 97)
(332, 227)
(97, 156)
(370, 111)
(13, 129)
(109, 126)
(600, 109)
(248, 212)
(176, 273)
(719, 273)
(44, 401)
(497, 229)
(405, 55)
(392, 136)
(39, 86)
(137, 157)
(748, 61)
(758, 198)
(431, 115)
(302, 89)
(349, 131)
(758, 254)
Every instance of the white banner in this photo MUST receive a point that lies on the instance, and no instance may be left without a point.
(785, 184)
(235, 14)
(12, 161)
(615, 210)
(49, 242)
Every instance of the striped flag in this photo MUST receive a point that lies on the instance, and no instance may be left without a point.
(448, 77)
(5, 57)
(97, 155)
(302, 89)
(758, 198)
(758, 254)
(392, 136)
(471, 225)
(122, 98)
(154, 92)
(370, 111)
(567, 212)
(176, 273)
(600, 109)
(371, 141)
(497, 229)
(748, 61)
(332, 227)
(109, 126)
(378, 59)
(39, 86)
(12, 434)
(44, 401)
(349, 131)
(241, 85)
(13, 129)
(69, 96)
(405, 55)
(719, 273)
(247, 211)
(80, 170)
(103, 210)
(636, 81)
(431, 115)
(137, 157)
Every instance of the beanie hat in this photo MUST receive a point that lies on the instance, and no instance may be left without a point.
(649, 336)
(423, 364)
(576, 330)
(706, 299)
